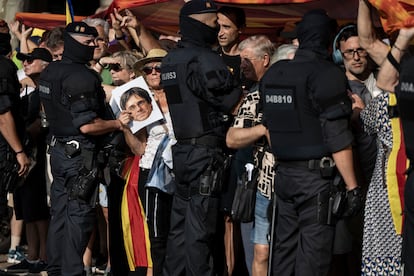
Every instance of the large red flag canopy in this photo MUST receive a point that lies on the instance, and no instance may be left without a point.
(263, 16)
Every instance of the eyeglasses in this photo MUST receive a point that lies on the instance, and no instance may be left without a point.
(351, 52)
(115, 67)
(148, 70)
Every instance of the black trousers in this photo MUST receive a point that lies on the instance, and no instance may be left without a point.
(408, 232)
(194, 217)
(303, 246)
(71, 221)
(157, 206)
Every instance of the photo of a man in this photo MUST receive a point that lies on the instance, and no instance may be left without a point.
(137, 102)
(135, 98)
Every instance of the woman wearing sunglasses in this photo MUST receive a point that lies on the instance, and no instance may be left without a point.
(120, 65)
(156, 201)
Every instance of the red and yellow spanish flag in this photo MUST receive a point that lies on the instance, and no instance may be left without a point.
(134, 223)
(396, 168)
(395, 14)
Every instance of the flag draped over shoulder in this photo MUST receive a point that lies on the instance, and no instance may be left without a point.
(396, 168)
(134, 223)
(395, 14)
(69, 12)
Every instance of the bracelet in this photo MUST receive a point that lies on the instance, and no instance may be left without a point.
(398, 48)
(393, 61)
(20, 151)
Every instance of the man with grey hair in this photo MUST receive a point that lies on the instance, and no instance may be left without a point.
(247, 129)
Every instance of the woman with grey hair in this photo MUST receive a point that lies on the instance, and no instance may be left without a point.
(284, 51)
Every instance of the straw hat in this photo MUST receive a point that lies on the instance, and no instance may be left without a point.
(153, 55)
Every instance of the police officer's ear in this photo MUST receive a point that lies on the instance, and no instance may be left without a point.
(266, 60)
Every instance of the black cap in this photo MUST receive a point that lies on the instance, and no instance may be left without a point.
(81, 28)
(37, 53)
(198, 7)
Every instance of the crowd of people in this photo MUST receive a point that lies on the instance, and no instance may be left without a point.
(323, 122)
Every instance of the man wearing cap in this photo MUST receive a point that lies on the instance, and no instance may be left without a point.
(11, 121)
(311, 142)
(30, 199)
(201, 93)
(74, 103)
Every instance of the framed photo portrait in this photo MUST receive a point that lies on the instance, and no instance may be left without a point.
(136, 98)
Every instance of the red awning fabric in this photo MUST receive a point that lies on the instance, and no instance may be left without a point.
(263, 16)
(44, 21)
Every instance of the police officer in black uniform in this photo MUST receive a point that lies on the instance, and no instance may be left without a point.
(201, 93)
(400, 78)
(13, 159)
(307, 112)
(74, 102)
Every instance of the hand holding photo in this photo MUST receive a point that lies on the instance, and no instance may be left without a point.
(134, 97)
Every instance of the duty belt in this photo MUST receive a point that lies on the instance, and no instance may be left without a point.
(58, 141)
(313, 164)
(209, 141)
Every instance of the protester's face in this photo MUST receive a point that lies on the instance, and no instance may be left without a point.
(57, 53)
(229, 33)
(152, 73)
(101, 43)
(138, 108)
(119, 74)
(33, 66)
(355, 58)
(252, 66)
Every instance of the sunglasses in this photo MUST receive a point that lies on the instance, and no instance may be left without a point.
(115, 66)
(148, 70)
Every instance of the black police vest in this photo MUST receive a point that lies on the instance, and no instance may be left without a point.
(293, 122)
(405, 97)
(191, 116)
(57, 103)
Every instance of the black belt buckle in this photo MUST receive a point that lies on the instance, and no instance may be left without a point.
(327, 167)
(72, 148)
